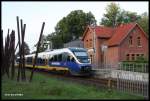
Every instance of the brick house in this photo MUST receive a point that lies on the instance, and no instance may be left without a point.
(124, 42)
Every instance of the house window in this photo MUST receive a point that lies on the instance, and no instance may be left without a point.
(138, 41)
(142, 55)
(137, 56)
(127, 57)
(134, 31)
(133, 57)
(130, 41)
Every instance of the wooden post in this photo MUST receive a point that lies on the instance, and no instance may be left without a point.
(16, 46)
(20, 65)
(37, 51)
(12, 54)
(109, 83)
(2, 54)
(7, 54)
(22, 50)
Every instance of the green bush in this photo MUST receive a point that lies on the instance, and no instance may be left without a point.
(142, 59)
(135, 66)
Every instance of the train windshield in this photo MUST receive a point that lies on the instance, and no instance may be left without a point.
(82, 57)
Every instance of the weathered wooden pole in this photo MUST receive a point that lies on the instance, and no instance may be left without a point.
(37, 50)
(2, 54)
(24, 53)
(13, 54)
(22, 50)
(4, 58)
(16, 46)
(20, 62)
(7, 41)
(11, 51)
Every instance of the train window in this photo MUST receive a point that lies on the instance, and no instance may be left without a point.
(72, 59)
(64, 57)
(37, 61)
(42, 61)
(55, 57)
(29, 59)
(68, 58)
(17, 60)
(60, 57)
(51, 58)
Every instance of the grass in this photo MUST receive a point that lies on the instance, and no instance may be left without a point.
(43, 87)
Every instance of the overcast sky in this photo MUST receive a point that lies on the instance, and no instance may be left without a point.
(35, 13)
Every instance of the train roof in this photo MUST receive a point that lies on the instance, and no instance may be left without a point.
(77, 49)
(57, 51)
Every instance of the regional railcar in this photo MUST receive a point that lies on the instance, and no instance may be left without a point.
(73, 59)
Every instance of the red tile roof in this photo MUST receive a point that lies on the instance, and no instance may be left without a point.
(104, 32)
(115, 35)
(101, 31)
(120, 33)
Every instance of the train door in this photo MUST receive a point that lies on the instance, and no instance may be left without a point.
(70, 63)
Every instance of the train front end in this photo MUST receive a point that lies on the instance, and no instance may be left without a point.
(83, 61)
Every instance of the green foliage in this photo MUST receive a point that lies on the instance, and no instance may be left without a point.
(144, 22)
(26, 51)
(115, 16)
(70, 27)
(135, 66)
(43, 44)
(142, 59)
(111, 16)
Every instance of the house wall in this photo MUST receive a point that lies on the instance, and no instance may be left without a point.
(88, 40)
(97, 57)
(125, 48)
(88, 44)
(99, 53)
(112, 56)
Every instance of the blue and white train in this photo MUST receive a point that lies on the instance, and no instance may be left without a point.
(73, 59)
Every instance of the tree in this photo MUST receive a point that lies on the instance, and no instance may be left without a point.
(112, 14)
(115, 16)
(27, 49)
(55, 39)
(71, 27)
(43, 44)
(144, 22)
